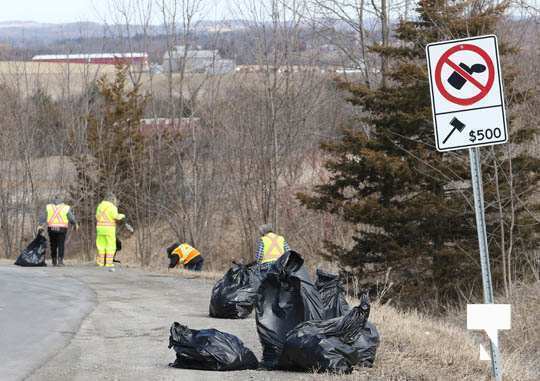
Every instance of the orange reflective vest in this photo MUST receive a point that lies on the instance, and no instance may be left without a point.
(57, 216)
(274, 247)
(185, 253)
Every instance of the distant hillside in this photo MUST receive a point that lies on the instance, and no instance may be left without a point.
(34, 33)
(22, 24)
(17, 32)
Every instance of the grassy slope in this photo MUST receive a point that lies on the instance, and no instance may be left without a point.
(415, 347)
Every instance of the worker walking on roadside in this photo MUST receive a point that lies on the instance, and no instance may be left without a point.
(106, 218)
(271, 247)
(185, 254)
(58, 216)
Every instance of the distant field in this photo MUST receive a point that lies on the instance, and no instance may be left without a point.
(61, 79)
(44, 68)
(57, 78)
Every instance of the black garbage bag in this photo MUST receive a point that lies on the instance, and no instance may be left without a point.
(334, 345)
(34, 254)
(118, 248)
(367, 345)
(332, 292)
(173, 259)
(286, 298)
(234, 296)
(209, 349)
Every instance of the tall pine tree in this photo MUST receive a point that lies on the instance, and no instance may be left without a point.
(411, 205)
(114, 145)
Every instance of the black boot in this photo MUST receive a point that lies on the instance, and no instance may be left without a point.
(61, 262)
(54, 261)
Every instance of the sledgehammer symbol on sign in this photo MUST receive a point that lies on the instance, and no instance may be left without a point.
(490, 318)
(457, 125)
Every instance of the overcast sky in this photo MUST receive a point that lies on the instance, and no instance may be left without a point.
(52, 11)
(61, 11)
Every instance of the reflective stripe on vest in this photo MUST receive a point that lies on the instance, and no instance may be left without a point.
(186, 253)
(57, 216)
(102, 216)
(274, 247)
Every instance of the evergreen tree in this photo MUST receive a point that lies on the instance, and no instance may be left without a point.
(411, 205)
(115, 145)
(114, 136)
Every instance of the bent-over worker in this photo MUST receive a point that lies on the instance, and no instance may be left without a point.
(58, 216)
(185, 254)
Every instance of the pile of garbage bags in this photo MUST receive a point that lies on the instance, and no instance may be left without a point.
(34, 254)
(310, 327)
(234, 296)
(332, 345)
(209, 349)
(302, 326)
(287, 297)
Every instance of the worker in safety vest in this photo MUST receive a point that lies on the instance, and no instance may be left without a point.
(271, 247)
(185, 254)
(106, 218)
(58, 216)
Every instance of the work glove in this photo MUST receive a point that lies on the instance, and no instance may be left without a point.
(129, 228)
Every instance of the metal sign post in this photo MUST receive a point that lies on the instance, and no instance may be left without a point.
(468, 112)
(476, 179)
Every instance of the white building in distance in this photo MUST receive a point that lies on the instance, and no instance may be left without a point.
(196, 61)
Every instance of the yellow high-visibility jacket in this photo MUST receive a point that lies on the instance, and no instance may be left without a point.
(106, 217)
(274, 247)
(57, 216)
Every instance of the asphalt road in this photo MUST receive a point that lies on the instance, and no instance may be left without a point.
(84, 323)
(39, 313)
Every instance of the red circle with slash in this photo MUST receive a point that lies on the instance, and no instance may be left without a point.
(445, 60)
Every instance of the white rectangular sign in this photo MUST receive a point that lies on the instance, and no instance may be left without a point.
(466, 93)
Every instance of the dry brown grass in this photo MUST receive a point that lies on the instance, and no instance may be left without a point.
(521, 345)
(415, 347)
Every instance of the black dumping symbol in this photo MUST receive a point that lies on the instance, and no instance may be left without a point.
(457, 125)
(457, 81)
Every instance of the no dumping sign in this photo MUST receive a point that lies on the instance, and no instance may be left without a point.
(466, 93)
